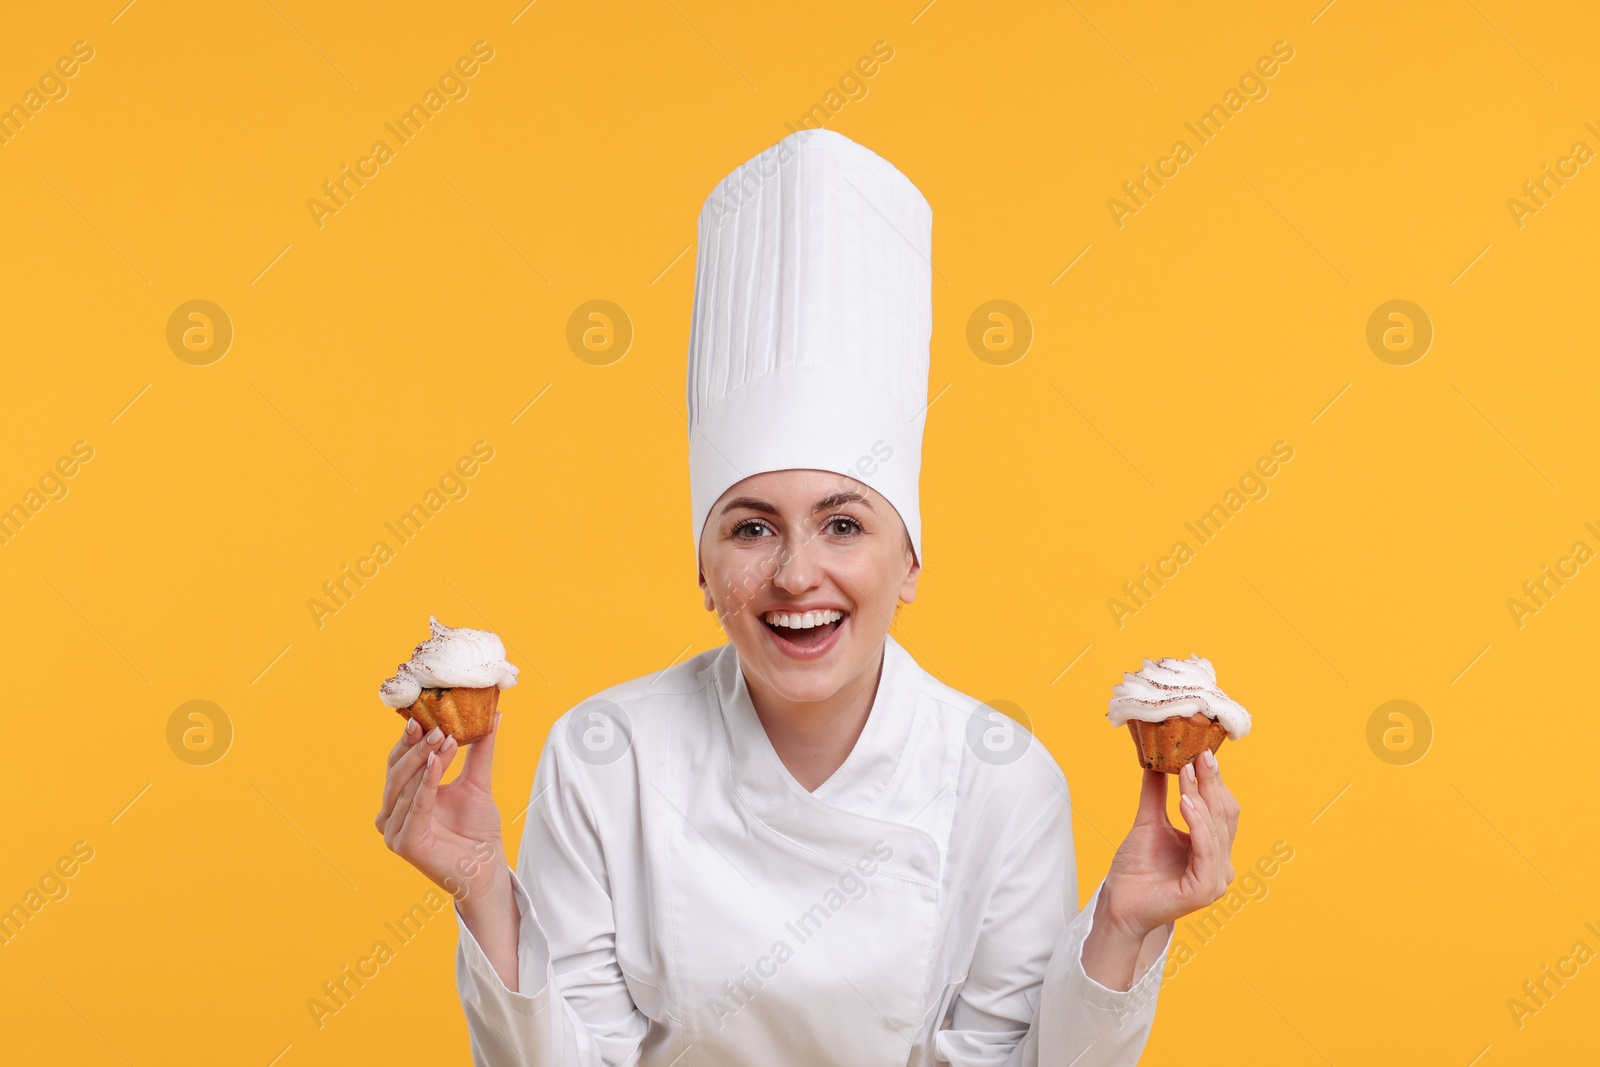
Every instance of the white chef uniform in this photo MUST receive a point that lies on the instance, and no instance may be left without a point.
(683, 900)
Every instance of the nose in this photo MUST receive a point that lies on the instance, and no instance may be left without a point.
(796, 565)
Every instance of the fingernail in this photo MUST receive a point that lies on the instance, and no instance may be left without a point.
(1188, 771)
(412, 727)
(1211, 760)
(429, 764)
(434, 735)
(1185, 801)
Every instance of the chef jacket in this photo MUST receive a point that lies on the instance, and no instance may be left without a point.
(684, 901)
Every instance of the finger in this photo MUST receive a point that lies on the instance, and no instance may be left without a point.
(405, 767)
(421, 808)
(1212, 817)
(1226, 805)
(1224, 808)
(402, 802)
(480, 755)
(446, 755)
(1210, 784)
(1204, 848)
(405, 808)
(1230, 811)
(1230, 803)
(1229, 827)
(1204, 877)
(439, 759)
(401, 771)
(408, 737)
(1152, 799)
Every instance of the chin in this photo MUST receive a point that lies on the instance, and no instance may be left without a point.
(803, 681)
(805, 685)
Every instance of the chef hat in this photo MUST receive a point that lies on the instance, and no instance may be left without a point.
(812, 314)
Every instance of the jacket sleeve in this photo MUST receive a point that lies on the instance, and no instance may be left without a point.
(572, 1007)
(1027, 1001)
(1084, 1023)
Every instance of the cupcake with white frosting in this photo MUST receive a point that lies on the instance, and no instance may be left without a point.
(452, 681)
(1175, 711)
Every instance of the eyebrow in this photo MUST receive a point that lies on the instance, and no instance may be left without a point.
(832, 500)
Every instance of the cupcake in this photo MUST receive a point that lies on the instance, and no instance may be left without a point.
(452, 681)
(1175, 711)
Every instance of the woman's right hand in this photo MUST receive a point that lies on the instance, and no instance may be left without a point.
(450, 833)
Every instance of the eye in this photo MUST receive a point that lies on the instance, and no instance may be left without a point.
(843, 526)
(746, 529)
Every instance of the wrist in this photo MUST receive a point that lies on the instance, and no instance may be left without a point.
(490, 894)
(1111, 950)
(488, 908)
(481, 880)
(1116, 921)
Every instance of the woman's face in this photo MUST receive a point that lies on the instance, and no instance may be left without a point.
(785, 543)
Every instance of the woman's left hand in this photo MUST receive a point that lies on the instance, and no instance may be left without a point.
(1160, 872)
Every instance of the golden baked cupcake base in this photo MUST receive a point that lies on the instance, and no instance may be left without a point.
(465, 714)
(1168, 745)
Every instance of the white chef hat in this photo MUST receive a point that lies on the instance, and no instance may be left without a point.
(812, 315)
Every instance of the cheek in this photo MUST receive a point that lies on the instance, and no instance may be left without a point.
(873, 581)
(738, 578)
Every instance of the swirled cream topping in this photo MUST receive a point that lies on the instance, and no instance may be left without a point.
(452, 657)
(1167, 687)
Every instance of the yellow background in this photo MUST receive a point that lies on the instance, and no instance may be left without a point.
(429, 312)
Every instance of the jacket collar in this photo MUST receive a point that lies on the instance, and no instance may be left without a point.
(843, 817)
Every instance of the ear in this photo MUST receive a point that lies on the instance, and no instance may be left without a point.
(706, 589)
(908, 588)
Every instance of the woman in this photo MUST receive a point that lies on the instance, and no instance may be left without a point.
(800, 847)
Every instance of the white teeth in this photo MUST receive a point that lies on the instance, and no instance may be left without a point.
(805, 621)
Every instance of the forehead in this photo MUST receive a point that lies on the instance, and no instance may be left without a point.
(797, 489)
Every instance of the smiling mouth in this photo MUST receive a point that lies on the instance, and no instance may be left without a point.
(804, 630)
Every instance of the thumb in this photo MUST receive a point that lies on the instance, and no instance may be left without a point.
(1152, 799)
(480, 755)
